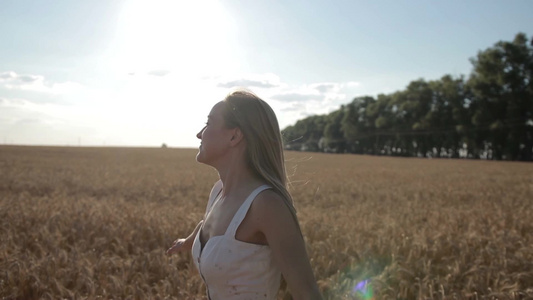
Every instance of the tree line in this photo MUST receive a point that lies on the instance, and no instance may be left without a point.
(488, 115)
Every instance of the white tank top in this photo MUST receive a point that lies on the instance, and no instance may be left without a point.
(236, 270)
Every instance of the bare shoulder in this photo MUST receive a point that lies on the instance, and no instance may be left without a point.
(270, 207)
(269, 200)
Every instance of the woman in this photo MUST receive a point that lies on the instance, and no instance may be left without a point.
(250, 234)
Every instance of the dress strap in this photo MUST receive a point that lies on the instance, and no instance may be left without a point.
(243, 210)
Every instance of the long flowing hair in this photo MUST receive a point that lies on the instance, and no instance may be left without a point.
(264, 144)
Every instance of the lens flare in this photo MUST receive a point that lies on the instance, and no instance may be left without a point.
(363, 290)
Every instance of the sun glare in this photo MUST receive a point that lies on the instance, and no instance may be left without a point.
(163, 52)
(184, 37)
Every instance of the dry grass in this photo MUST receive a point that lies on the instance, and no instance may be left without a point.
(95, 222)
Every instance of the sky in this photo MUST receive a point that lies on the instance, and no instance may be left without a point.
(144, 73)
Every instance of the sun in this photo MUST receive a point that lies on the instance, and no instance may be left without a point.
(162, 53)
(185, 37)
(163, 68)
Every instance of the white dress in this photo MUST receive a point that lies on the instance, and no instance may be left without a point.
(236, 270)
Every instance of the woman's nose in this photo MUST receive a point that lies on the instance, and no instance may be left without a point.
(199, 134)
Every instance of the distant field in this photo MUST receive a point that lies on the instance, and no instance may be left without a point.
(95, 223)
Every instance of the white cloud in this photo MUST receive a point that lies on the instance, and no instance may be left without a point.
(36, 83)
(149, 108)
(290, 102)
(325, 87)
(295, 96)
(7, 75)
(251, 81)
(294, 102)
(324, 94)
(160, 73)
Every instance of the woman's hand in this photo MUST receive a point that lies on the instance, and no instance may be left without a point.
(183, 245)
(180, 245)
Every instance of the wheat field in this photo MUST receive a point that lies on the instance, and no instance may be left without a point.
(94, 223)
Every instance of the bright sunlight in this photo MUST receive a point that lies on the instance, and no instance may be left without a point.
(187, 37)
(164, 51)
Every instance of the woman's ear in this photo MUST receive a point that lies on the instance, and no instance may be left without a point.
(236, 137)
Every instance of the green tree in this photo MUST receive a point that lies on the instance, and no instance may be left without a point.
(355, 126)
(413, 106)
(448, 116)
(333, 131)
(305, 134)
(491, 113)
(502, 100)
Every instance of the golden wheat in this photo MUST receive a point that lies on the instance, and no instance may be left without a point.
(95, 222)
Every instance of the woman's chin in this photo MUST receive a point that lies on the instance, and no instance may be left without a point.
(199, 156)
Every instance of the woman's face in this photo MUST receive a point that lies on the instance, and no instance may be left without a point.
(215, 137)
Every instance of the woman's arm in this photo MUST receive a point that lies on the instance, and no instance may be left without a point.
(272, 217)
(185, 244)
(182, 245)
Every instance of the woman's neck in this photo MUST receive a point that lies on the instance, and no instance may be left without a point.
(237, 177)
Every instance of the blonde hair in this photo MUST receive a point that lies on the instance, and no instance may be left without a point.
(264, 144)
